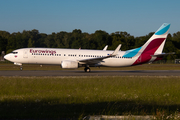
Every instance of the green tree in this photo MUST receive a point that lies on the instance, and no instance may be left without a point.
(3, 44)
(123, 38)
(25, 38)
(4, 34)
(176, 39)
(169, 48)
(99, 39)
(30, 43)
(116, 39)
(19, 40)
(76, 39)
(50, 42)
(11, 43)
(139, 41)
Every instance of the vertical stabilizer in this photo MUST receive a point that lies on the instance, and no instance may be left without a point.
(154, 45)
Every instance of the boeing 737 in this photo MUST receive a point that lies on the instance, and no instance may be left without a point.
(74, 58)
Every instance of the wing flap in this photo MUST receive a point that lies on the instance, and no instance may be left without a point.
(93, 60)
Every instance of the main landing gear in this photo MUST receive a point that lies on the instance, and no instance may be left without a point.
(87, 69)
(21, 68)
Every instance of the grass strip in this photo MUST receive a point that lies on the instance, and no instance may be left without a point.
(72, 97)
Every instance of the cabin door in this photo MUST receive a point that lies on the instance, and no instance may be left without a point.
(25, 54)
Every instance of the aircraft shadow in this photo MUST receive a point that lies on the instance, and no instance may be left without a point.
(54, 109)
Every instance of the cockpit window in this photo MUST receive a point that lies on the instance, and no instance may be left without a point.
(14, 52)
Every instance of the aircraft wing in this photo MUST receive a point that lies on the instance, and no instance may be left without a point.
(99, 59)
(163, 54)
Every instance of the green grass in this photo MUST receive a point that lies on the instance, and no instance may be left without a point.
(73, 97)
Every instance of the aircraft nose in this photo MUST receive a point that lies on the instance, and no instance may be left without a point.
(6, 56)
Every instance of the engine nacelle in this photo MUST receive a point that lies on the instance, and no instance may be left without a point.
(69, 64)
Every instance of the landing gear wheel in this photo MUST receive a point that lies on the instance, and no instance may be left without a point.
(87, 69)
(21, 68)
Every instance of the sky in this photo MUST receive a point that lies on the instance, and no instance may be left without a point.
(137, 17)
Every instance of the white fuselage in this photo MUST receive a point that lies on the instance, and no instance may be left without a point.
(55, 56)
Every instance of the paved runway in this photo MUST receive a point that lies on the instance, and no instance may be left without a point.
(93, 73)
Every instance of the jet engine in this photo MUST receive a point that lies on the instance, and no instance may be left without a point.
(69, 64)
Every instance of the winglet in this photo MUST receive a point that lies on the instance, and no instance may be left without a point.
(105, 48)
(116, 50)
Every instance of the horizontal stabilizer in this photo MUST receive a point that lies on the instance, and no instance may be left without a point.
(163, 54)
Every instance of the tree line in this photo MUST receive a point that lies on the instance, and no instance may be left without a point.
(76, 39)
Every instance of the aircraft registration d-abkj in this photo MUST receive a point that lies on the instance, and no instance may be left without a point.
(74, 58)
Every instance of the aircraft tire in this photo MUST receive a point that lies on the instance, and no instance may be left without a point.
(87, 69)
(21, 68)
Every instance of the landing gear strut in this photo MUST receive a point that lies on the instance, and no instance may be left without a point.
(21, 68)
(87, 69)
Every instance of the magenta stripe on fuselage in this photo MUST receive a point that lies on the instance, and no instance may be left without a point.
(149, 50)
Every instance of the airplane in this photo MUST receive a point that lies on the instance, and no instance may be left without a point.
(75, 58)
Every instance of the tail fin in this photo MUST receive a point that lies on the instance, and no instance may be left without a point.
(156, 43)
(153, 46)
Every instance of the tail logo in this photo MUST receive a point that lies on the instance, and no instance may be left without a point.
(139, 59)
(153, 46)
